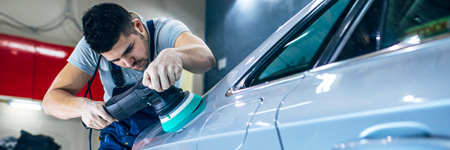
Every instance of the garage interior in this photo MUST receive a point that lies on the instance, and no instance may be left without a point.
(232, 29)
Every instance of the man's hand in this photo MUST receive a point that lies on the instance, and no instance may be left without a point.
(94, 116)
(164, 71)
(189, 53)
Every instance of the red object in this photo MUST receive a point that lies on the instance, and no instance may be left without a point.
(29, 68)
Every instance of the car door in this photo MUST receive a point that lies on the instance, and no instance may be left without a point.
(380, 85)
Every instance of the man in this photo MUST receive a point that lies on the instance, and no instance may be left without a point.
(123, 38)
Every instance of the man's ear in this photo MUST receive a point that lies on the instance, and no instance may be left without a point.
(138, 26)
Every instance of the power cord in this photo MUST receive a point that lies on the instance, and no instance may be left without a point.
(88, 90)
(53, 24)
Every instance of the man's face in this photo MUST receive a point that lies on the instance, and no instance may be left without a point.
(130, 52)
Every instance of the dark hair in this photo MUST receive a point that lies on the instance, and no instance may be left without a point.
(104, 23)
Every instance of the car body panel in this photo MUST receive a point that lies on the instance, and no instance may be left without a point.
(203, 132)
(392, 143)
(406, 76)
(232, 126)
(400, 91)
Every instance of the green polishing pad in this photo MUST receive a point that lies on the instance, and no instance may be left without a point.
(190, 108)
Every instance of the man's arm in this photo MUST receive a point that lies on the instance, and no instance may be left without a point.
(60, 100)
(194, 53)
(189, 52)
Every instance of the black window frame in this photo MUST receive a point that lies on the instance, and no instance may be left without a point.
(382, 4)
(345, 32)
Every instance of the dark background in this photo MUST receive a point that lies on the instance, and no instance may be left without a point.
(234, 28)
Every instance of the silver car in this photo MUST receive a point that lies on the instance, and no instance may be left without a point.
(341, 74)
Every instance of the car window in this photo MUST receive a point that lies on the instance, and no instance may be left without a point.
(390, 22)
(366, 35)
(299, 52)
(416, 21)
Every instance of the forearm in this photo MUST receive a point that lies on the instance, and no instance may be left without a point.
(195, 58)
(63, 105)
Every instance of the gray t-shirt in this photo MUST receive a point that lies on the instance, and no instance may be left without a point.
(166, 32)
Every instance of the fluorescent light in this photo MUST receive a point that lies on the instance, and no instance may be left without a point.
(51, 52)
(25, 104)
(20, 46)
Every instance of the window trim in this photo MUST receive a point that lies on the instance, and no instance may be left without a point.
(384, 5)
(341, 37)
(274, 50)
(357, 20)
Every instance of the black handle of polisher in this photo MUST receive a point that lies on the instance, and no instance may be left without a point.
(126, 104)
(137, 97)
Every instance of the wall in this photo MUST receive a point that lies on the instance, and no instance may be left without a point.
(44, 14)
(30, 66)
(234, 28)
(39, 13)
(70, 134)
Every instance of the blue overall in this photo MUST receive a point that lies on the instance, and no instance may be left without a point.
(121, 135)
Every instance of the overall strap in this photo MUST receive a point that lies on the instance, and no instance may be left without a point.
(116, 71)
(151, 38)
